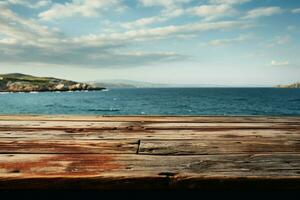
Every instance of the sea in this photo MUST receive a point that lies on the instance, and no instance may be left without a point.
(157, 101)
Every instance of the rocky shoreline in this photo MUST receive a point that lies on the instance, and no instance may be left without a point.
(294, 85)
(27, 83)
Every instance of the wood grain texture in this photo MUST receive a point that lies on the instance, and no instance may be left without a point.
(69, 146)
(139, 126)
(82, 134)
(126, 171)
(149, 152)
(213, 147)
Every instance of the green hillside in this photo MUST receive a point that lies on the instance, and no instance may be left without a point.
(17, 82)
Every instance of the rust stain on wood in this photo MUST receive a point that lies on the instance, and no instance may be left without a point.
(71, 164)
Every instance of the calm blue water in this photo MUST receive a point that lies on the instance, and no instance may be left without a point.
(174, 101)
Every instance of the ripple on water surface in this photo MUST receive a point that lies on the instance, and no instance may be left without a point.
(158, 101)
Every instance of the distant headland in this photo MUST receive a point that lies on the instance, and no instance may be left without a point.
(17, 82)
(294, 85)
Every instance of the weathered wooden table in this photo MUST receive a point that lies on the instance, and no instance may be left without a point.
(139, 152)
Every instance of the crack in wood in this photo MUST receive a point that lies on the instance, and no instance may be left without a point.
(138, 147)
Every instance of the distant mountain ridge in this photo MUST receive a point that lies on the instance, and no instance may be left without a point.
(119, 83)
(17, 82)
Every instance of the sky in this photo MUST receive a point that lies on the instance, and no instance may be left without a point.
(222, 42)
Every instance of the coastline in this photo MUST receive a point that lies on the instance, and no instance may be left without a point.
(40, 91)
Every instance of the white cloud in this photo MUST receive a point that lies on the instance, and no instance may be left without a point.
(155, 33)
(263, 12)
(8, 41)
(85, 8)
(220, 42)
(42, 3)
(164, 16)
(34, 4)
(134, 58)
(282, 39)
(296, 11)
(163, 3)
(144, 22)
(228, 1)
(279, 40)
(25, 40)
(21, 29)
(172, 9)
(211, 12)
(279, 63)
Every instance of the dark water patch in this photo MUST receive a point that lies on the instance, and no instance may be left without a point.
(294, 100)
(103, 110)
(66, 106)
(50, 105)
(240, 99)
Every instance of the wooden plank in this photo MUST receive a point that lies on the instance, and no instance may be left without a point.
(151, 134)
(222, 126)
(101, 152)
(199, 119)
(135, 171)
(83, 134)
(93, 165)
(213, 147)
(151, 147)
(69, 146)
(61, 125)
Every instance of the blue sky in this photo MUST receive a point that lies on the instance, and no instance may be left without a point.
(227, 42)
